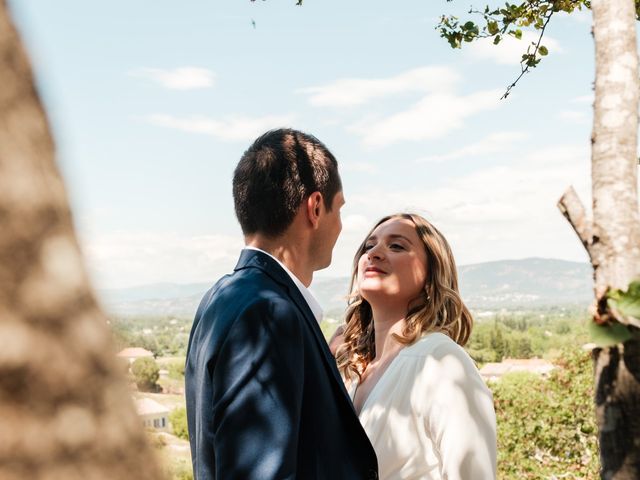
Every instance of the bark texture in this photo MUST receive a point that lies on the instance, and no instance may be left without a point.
(615, 248)
(614, 166)
(65, 410)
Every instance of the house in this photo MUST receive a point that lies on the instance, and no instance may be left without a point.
(133, 353)
(494, 371)
(153, 414)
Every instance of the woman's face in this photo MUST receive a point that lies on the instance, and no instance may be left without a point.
(393, 267)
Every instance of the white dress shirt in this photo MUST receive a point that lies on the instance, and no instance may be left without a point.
(314, 306)
(431, 416)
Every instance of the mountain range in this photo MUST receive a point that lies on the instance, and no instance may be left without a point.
(510, 284)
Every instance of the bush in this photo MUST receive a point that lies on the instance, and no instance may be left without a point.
(146, 373)
(176, 370)
(179, 469)
(546, 428)
(178, 420)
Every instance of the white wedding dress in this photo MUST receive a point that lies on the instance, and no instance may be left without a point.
(431, 416)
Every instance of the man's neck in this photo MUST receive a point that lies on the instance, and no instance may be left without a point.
(290, 253)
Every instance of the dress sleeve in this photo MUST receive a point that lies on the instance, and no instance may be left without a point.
(459, 415)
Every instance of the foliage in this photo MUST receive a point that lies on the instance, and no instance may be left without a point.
(146, 373)
(176, 369)
(510, 19)
(622, 320)
(527, 334)
(626, 305)
(180, 469)
(546, 428)
(178, 420)
(164, 336)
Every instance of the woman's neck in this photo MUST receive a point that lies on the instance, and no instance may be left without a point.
(386, 322)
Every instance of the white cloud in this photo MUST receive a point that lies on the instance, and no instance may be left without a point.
(348, 92)
(359, 167)
(494, 143)
(510, 50)
(584, 99)
(182, 78)
(355, 223)
(232, 128)
(135, 258)
(574, 116)
(505, 211)
(432, 117)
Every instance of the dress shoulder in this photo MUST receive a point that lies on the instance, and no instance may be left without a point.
(433, 342)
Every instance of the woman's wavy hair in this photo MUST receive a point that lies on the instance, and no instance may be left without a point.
(438, 307)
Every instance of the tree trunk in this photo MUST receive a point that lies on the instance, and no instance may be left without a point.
(615, 245)
(65, 410)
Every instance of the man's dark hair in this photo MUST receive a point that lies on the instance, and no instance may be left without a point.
(281, 169)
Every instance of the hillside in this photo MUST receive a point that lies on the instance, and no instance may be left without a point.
(526, 283)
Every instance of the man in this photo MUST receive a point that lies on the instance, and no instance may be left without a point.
(264, 397)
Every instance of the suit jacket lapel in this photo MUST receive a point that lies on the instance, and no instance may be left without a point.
(253, 258)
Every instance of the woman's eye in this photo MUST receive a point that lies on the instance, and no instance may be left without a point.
(368, 247)
(396, 246)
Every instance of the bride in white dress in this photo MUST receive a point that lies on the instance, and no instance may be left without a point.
(418, 394)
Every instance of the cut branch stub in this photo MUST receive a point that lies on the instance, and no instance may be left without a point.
(574, 211)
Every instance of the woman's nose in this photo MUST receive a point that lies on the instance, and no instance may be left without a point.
(375, 252)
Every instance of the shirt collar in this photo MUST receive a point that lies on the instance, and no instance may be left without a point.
(314, 306)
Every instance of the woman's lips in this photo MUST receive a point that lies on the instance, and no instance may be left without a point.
(374, 270)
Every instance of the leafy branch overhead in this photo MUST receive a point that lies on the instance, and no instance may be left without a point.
(511, 20)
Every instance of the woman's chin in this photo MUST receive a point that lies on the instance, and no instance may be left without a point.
(372, 293)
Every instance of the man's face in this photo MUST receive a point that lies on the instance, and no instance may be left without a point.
(329, 228)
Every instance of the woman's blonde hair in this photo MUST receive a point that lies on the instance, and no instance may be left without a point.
(438, 308)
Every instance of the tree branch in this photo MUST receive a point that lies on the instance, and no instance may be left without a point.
(574, 211)
(528, 59)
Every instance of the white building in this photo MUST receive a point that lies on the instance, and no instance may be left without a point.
(153, 414)
(133, 353)
(494, 371)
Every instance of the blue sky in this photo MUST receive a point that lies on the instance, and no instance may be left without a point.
(153, 102)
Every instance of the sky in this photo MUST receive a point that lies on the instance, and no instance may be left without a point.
(152, 103)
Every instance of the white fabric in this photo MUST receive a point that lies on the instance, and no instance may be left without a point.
(431, 416)
(314, 306)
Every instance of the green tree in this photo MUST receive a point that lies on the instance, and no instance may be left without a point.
(146, 372)
(498, 343)
(178, 420)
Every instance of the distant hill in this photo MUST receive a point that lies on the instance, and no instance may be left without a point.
(531, 281)
(526, 283)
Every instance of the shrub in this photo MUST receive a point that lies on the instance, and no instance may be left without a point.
(146, 373)
(546, 428)
(178, 420)
(176, 369)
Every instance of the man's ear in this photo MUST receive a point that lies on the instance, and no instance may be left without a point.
(314, 208)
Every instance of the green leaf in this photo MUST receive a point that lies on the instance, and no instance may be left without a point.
(627, 303)
(608, 335)
(492, 27)
(518, 34)
(469, 26)
(496, 41)
(542, 50)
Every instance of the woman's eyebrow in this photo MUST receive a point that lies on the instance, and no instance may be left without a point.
(397, 235)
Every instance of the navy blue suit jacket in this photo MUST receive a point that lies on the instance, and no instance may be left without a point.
(264, 397)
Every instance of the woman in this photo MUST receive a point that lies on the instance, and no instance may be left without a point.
(418, 394)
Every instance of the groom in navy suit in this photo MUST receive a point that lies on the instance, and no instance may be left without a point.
(264, 397)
